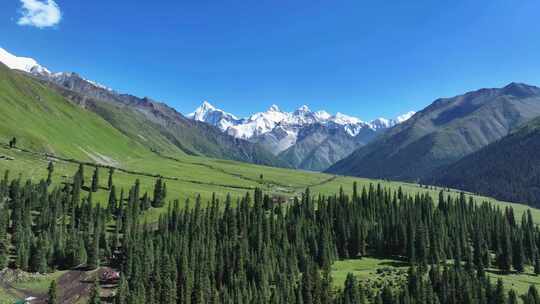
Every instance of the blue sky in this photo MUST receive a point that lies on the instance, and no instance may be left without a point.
(368, 59)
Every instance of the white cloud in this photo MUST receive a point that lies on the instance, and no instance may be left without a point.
(39, 13)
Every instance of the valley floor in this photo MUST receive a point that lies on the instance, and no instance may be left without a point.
(188, 177)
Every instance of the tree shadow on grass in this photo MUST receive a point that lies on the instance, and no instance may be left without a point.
(395, 264)
(513, 272)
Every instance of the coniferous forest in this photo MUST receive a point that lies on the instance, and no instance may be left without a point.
(264, 152)
(255, 250)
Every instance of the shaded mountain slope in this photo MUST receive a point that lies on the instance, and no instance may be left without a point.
(444, 132)
(319, 146)
(508, 169)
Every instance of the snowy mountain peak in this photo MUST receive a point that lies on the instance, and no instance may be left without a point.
(202, 111)
(206, 112)
(343, 119)
(31, 66)
(286, 124)
(381, 123)
(206, 106)
(302, 109)
(404, 117)
(274, 108)
(322, 115)
(25, 64)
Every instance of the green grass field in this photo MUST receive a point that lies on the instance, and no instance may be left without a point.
(366, 270)
(363, 269)
(519, 282)
(205, 176)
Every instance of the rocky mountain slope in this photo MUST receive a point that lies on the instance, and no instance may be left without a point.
(154, 124)
(306, 139)
(508, 169)
(444, 132)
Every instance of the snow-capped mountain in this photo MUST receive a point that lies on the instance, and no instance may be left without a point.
(264, 122)
(25, 64)
(31, 66)
(306, 139)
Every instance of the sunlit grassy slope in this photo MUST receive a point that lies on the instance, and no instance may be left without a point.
(43, 120)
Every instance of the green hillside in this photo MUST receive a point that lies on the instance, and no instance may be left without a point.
(43, 120)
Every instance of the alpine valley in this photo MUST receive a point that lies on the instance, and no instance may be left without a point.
(257, 173)
(111, 198)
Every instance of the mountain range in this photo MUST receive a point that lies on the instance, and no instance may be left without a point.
(306, 139)
(443, 133)
(300, 139)
(153, 124)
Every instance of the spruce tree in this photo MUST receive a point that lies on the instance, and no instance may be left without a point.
(351, 293)
(80, 174)
(512, 297)
(532, 295)
(95, 294)
(504, 256)
(519, 254)
(112, 203)
(93, 256)
(158, 194)
(4, 244)
(110, 180)
(500, 293)
(122, 291)
(386, 295)
(52, 295)
(537, 263)
(50, 170)
(95, 180)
